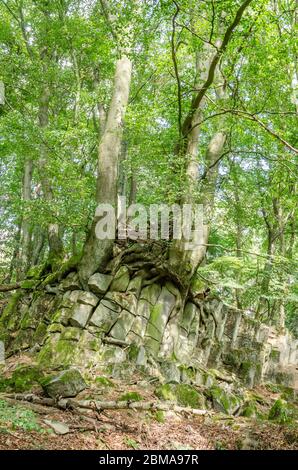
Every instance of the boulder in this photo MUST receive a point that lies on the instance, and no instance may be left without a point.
(144, 309)
(80, 315)
(224, 401)
(280, 411)
(137, 330)
(62, 316)
(126, 300)
(71, 282)
(99, 283)
(57, 426)
(135, 285)
(67, 383)
(184, 395)
(170, 371)
(70, 297)
(158, 319)
(114, 355)
(111, 305)
(191, 313)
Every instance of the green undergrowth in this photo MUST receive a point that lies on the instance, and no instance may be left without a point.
(131, 396)
(104, 382)
(23, 379)
(17, 417)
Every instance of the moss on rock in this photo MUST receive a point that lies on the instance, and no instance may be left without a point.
(280, 412)
(67, 383)
(183, 394)
(131, 396)
(224, 401)
(249, 409)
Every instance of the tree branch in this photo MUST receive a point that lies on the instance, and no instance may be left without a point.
(211, 73)
(9, 287)
(174, 58)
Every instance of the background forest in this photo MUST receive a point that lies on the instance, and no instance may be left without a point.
(58, 61)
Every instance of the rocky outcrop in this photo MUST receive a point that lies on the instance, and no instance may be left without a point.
(125, 321)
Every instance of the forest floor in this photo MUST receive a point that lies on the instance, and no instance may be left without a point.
(26, 426)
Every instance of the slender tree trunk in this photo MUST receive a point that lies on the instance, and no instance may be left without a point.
(15, 259)
(38, 245)
(55, 242)
(263, 302)
(180, 255)
(132, 189)
(122, 172)
(26, 225)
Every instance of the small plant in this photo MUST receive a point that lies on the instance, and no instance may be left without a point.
(159, 416)
(131, 443)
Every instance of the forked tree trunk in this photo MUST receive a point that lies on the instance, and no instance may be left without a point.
(187, 256)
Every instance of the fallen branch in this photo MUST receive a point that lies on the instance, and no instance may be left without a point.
(37, 408)
(9, 287)
(70, 403)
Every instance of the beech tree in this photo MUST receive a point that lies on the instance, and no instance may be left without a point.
(177, 101)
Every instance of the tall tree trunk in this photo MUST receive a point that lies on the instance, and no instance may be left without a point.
(97, 252)
(26, 225)
(38, 245)
(180, 255)
(188, 143)
(55, 241)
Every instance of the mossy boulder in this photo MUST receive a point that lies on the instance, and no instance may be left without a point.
(170, 371)
(182, 394)
(223, 400)
(249, 409)
(10, 309)
(63, 352)
(67, 383)
(40, 333)
(280, 412)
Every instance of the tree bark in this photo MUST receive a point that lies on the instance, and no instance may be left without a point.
(55, 242)
(26, 225)
(181, 256)
(96, 252)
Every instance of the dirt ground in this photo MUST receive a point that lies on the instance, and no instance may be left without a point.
(23, 426)
(129, 430)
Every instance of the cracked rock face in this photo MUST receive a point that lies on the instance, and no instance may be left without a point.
(75, 327)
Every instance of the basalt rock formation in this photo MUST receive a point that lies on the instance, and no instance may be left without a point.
(127, 320)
